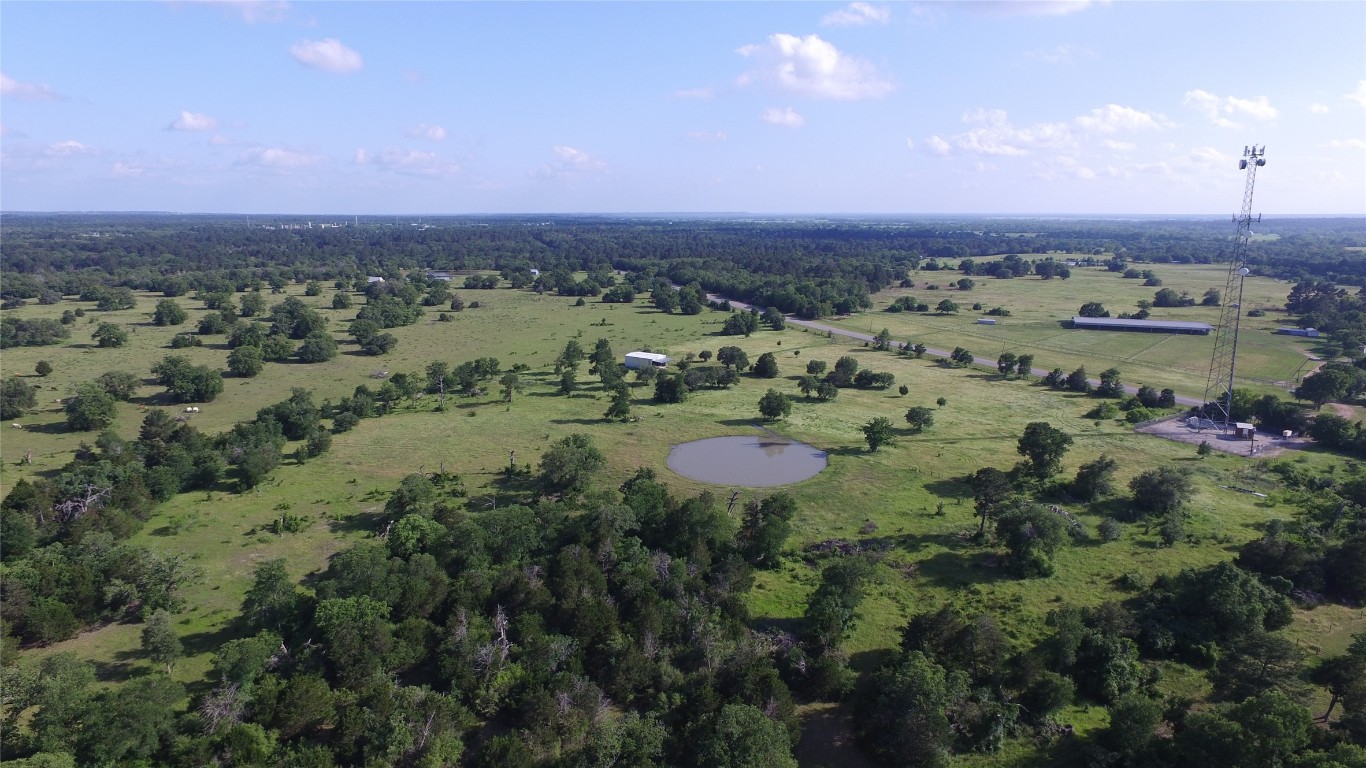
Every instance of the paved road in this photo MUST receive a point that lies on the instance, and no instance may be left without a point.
(859, 336)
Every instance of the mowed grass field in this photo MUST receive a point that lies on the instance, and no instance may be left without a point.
(889, 501)
(1267, 362)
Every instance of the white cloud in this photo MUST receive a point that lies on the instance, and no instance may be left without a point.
(250, 11)
(706, 136)
(193, 121)
(812, 67)
(428, 132)
(327, 55)
(705, 92)
(571, 163)
(1319, 109)
(276, 157)
(1359, 95)
(786, 117)
(1112, 118)
(857, 15)
(411, 162)
(22, 91)
(993, 134)
(1061, 54)
(1119, 146)
(1029, 7)
(127, 170)
(910, 143)
(70, 148)
(1348, 143)
(1215, 109)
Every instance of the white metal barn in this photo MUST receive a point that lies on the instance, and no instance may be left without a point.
(638, 360)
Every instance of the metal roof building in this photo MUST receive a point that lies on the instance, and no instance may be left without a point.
(1147, 326)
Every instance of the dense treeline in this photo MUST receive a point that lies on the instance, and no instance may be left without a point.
(810, 268)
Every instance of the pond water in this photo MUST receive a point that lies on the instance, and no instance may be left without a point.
(752, 461)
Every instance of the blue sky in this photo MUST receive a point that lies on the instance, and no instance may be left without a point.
(449, 107)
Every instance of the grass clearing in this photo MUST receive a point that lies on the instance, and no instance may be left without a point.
(1267, 362)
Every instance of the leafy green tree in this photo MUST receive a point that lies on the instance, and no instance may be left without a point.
(920, 418)
(245, 362)
(272, 600)
(1005, 364)
(109, 335)
(1095, 478)
(91, 408)
(1133, 724)
(1032, 533)
(766, 367)
(808, 384)
(569, 464)
(16, 396)
(43, 368)
(764, 528)
(774, 405)
(511, 384)
(946, 307)
(136, 719)
(878, 432)
(1024, 364)
(742, 736)
(1093, 309)
(159, 639)
(1077, 381)
(732, 357)
(169, 312)
(843, 374)
(1043, 447)
(1110, 384)
(833, 607)
(1162, 491)
(318, 348)
(992, 490)
(882, 341)
(186, 382)
(815, 367)
(253, 304)
(961, 357)
(826, 391)
(670, 389)
(356, 636)
(902, 720)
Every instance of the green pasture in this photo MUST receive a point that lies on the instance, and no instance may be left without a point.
(1267, 362)
(890, 500)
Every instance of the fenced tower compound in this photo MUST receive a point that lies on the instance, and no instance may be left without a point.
(1223, 362)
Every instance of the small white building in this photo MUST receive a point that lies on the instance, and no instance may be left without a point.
(371, 279)
(535, 273)
(638, 360)
(986, 321)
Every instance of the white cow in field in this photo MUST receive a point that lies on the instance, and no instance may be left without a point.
(17, 425)
(192, 409)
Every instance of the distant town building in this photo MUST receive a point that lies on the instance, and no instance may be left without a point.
(1312, 333)
(439, 274)
(1144, 326)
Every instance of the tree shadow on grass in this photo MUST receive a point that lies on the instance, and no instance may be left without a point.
(116, 671)
(959, 569)
(581, 422)
(51, 428)
(950, 488)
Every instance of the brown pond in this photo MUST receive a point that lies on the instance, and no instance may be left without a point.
(752, 461)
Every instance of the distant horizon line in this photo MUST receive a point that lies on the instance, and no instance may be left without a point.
(689, 214)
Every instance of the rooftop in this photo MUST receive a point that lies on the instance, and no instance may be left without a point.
(1113, 322)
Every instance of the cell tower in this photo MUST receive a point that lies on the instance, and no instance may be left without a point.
(1219, 388)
